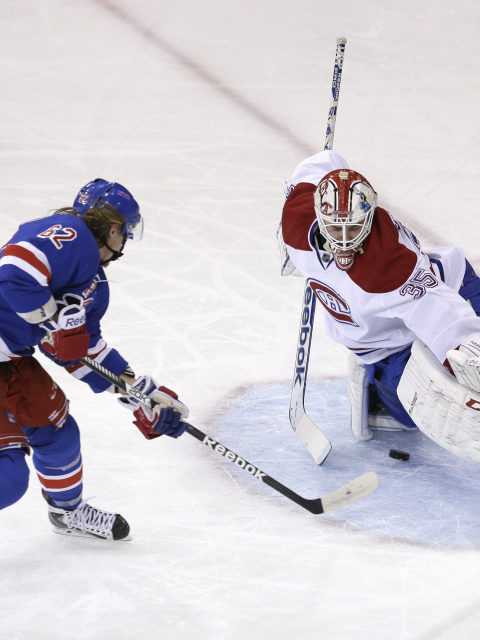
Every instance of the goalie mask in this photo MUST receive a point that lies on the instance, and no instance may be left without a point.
(345, 203)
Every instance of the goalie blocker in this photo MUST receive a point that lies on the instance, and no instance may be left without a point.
(444, 410)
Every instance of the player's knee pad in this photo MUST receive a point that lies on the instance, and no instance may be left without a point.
(58, 462)
(14, 475)
(52, 445)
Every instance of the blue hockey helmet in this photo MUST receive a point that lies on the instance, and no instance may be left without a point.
(100, 192)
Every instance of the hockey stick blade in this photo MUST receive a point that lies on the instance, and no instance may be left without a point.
(313, 438)
(352, 491)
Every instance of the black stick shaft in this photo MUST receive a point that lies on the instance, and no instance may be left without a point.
(314, 506)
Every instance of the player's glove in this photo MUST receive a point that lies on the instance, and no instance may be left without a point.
(67, 338)
(165, 418)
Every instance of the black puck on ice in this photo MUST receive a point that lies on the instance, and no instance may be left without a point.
(399, 455)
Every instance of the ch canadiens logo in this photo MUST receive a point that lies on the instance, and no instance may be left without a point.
(333, 303)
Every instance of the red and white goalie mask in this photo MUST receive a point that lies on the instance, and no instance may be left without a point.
(345, 203)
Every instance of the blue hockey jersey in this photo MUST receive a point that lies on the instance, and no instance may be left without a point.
(49, 257)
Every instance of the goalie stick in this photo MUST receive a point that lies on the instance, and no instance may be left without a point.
(358, 488)
(309, 433)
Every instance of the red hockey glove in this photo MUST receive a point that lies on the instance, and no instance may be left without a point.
(165, 418)
(67, 338)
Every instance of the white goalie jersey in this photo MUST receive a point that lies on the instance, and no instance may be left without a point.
(393, 293)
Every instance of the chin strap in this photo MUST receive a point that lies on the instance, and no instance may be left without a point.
(115, 254)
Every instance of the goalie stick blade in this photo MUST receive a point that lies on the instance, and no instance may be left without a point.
(312, 437)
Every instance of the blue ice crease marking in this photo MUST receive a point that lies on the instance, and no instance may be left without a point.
(433, 499)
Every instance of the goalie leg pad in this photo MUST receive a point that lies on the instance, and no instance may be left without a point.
(362, 418)
(444, 410)
(358, 397)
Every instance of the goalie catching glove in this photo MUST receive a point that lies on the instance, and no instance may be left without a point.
(166, 416)
(465, 362)
(67, 338)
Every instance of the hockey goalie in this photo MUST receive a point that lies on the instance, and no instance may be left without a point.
(408, 317)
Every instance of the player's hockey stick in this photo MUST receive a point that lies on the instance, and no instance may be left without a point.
(309, 433)
(358, 488)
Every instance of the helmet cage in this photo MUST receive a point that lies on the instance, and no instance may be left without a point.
(99, 193)
(345, 199)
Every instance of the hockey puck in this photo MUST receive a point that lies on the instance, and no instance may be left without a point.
(399, 455)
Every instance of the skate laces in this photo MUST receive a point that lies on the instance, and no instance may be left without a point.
(87, 518)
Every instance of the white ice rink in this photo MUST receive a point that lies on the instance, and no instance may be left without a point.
(202, 108)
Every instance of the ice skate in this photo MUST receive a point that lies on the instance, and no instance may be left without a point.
(87, 522)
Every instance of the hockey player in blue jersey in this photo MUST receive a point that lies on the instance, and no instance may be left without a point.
(53, 295)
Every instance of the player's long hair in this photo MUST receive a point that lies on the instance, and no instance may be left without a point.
(98, 220)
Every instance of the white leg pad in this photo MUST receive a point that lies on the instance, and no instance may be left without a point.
(383, 421)
(361, 421)
(358, 399)
(444, 410)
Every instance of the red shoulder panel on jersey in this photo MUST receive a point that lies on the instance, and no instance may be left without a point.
(29, 258)
(298, 216)
(385, 264)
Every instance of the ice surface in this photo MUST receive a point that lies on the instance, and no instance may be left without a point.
(202, 108)
(433, 499)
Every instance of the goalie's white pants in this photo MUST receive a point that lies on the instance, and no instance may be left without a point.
(444, 410)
